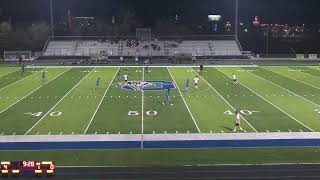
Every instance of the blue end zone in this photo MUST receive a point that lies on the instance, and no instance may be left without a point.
(232, 143)
(158, 144)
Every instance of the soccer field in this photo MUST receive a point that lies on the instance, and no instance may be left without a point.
(270, 99)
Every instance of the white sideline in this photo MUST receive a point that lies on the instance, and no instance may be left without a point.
(225, 100)
(194, 121)
(272, 104)
(95, 112)
(33, 91)
(160, 137)
(292, 78)
(119, 66)
(59, 101)
(285, 89)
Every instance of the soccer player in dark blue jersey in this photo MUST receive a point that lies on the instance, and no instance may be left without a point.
(22, 70)
(97, 84)
(168, 99)
(187, 86)
(43, 76)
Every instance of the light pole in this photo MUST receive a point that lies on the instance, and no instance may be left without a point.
(236, 18)
(51, 18)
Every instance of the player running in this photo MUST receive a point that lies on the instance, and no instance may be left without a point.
(234, 78)
(126, 77)
(196, 81)
(43, 76)
(187, 86)
(97, 84)
(237, 124)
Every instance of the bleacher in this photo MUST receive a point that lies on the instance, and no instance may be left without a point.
(142, 48)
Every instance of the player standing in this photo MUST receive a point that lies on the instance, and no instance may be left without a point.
(22, 70)
(168, 99)
(125, 77)
(147, 61)
(237, 123)
(196, 81)
(43, 76)
(234, 78)
(201, 67)
(97, 84)
(187, 86)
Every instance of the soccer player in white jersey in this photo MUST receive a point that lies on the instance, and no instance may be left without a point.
(234, 78)
(125, 77)
(237, 123)
(196, 81)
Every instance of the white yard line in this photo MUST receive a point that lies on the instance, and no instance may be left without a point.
(31, 75)
(142, 110)
(59, 101)
(184, 101)
(225, 100)
(95, 112)
(272, 104)
(305, 72)
(293, 78)
(284, 89)
(34, 91)
(10, 72)
(136, 66)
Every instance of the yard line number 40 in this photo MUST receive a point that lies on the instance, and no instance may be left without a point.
(243, 112)
(38, 114)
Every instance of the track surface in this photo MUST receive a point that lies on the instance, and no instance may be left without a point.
(199, 172)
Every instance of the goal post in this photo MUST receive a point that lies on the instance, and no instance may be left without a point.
(15, 55)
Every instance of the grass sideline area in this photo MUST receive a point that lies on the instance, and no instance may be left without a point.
(178, 157)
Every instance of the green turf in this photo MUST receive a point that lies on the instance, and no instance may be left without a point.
(38, 103)
(281, 99)
(308, 92)
(172, 157)
(5, 71)
(205, 104)
(19, 90)
(267, 117)
(170, 118)
(81, 103)
(308, 70)
(15, 76)
(298, 76)
(112, 116)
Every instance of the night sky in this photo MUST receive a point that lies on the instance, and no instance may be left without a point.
(272, 11)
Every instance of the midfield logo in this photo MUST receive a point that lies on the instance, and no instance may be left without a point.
(146, 85)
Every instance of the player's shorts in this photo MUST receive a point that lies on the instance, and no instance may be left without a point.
(196, 84)
(237, 124)
(234, 80)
